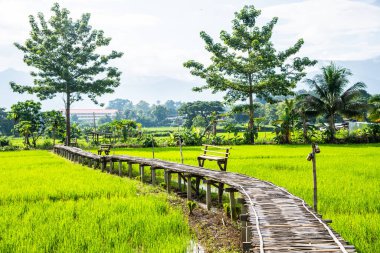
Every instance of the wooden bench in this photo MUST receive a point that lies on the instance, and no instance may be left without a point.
(214, 153)
(106, 148)
(74, 143)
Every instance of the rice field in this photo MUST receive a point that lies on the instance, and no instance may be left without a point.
(348, 180)
(48, 204)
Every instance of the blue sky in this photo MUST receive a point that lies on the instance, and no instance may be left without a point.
(158, 36)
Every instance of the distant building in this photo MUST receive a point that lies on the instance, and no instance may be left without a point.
(89, 114)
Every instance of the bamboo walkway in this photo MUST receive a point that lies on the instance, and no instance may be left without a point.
(273, 220)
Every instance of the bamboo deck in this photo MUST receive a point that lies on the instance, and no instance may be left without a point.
(277, 221)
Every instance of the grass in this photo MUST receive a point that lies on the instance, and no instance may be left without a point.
(48, 204)
(348, 180)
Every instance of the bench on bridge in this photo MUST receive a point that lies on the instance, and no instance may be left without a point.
(74, 143)
(214, 153)
(106, 148)
(220, 156)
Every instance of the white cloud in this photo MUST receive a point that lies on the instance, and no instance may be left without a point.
(332, 29)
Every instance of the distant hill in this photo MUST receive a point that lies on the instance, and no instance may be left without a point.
(154, 88)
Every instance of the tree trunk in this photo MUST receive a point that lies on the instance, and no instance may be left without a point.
(53, 136)
(68, 133)
(214, 128)
(304, 126)
(251, 123)
(332, 128)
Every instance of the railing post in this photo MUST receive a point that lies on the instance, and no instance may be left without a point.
(141, 168)
(188, 187)
(231, 192)
(169, 178)
(153, 170)
(120, 167)
(130, 170)
(208, 193)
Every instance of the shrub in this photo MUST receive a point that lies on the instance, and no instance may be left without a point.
(4, 141)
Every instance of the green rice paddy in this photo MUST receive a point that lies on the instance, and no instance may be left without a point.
(348, 180)
(48, 204)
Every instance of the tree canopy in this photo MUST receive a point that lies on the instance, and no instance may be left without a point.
(330, 98)
(202, 109)
(247, 64)
(63, 54)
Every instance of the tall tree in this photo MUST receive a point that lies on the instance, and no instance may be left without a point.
(63, 53)
(54, 122)
(120, 104)
(199, 108)
(160, 113)
(329, 97)
(6, 124)
(247, 64)
(28, 120)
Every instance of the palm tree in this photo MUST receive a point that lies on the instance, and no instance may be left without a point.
(374, 109)
(330, 98)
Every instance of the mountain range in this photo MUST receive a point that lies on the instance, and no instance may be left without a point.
(162, 88)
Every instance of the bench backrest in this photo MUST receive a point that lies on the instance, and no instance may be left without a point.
(105, 146)
(211, 150)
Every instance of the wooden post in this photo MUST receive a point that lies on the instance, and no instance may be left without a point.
(165, 177)
(312, 156)
(103, 164)
(120, 167)
(188, 187)
(141, 167)
(220, 193)
(153, 176)
(243, 219)
(179, 181)
(197, 185)
(208, 193)
(130, 170)
(111, 167)
(231, 192)
(169, 178)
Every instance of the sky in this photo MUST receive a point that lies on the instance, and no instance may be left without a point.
(158, 36)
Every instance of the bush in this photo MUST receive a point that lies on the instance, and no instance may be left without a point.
(4, 141)
(148, 141)
(47, 144)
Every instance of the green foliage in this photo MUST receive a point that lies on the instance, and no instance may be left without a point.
(227, 209)
(247, 64)
(286, 123)
(203, 109)
(374, 108)
(148, 141)
(191, 136)
(4, 141)
(329, 98)
(6, 124)
(28, 120)
(191, 205)
(63, 54)
(55, 124)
